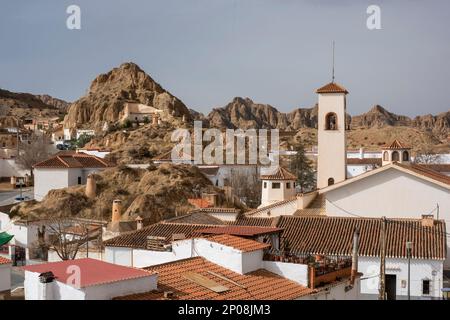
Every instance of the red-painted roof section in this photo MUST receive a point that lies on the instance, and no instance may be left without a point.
(93, 272)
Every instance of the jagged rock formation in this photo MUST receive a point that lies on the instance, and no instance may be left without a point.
(54, 102)
(378, 117)
(108, 93)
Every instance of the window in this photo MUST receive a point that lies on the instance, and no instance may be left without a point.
(405, 156)
(425, 287)
(275, 185)
(395, 156)
(79, 180)
(288, 185)
(331, 121)
(265, 185)
(385, 156)
(330, 181)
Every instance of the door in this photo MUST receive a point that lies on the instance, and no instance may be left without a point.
(391, 286)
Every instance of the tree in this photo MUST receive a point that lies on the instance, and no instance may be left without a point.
(65, 243)
(301, 166)
(426, 155)
(246, 186)
(82, 140)
(33, 151)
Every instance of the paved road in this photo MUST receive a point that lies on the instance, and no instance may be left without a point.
(7, 197)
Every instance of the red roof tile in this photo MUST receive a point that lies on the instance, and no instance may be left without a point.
(200, 203)
(93, 271)
(4, 261)
(245, 231)
(333, 236)
(279, 173)
(257, 285)
(332, 87)
(241, 244)
(73, 160)
(395, 145)
(365, 161)
(426, 172)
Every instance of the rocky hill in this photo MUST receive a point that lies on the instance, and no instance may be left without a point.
(23, 105)
(153, 193)
(108, 93)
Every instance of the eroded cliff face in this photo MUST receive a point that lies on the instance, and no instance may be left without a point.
(108, 93)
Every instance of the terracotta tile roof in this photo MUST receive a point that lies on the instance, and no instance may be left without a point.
(255, 221)
(241, 244)
(93, 271)
(279, 173)
(438, 167)
(5, 261)
(424, 171)
(138, 238)
(73, 160)
(332, 87)
(244, 231)
(257, 285)
(364, 161)
(333, 236)
(395, 145)
(217, 210)
(200, 203)
(196, 217)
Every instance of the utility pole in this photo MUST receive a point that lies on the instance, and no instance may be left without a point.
(408, 252)
(382, 292)
(355, 256)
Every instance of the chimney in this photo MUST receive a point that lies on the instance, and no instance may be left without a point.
(355, 252)
(155, 119)
(139, 223)
(116, 210)
(427, 220)
(91, 187)
(46, 280)
(211, 198)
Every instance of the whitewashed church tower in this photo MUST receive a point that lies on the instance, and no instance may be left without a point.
(332, 157)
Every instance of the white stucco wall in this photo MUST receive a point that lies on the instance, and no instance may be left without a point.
(5, 222)
(293, 271)
(62, 291)
(390, 193)
(224, 216)
(337, 292)
(5, 277)
(356, 170)
(270, 195)
(228, 257)
(420, 270)
(285, 209)
(48, 179)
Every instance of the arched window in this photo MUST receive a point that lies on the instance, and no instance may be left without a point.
(395, 156)
(405, 156)
(331, 121)
(330, 181)
(385, 156)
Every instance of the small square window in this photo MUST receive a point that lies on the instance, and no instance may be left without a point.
(79, 180)
(276, 185)
(265, 185)
(288, 185)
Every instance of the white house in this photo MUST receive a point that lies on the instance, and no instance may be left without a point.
(310, 236)
(227, 267)
(278, 185)
(140, 112)
(84, 279)
(64, 170)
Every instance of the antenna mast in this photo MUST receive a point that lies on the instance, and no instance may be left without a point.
(332, 75)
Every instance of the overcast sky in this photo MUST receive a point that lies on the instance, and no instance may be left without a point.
(206, 52)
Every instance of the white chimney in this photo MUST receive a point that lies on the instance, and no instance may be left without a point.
(361, 153)
(46, 284)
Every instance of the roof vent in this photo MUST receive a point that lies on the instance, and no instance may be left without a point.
(169, 295)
